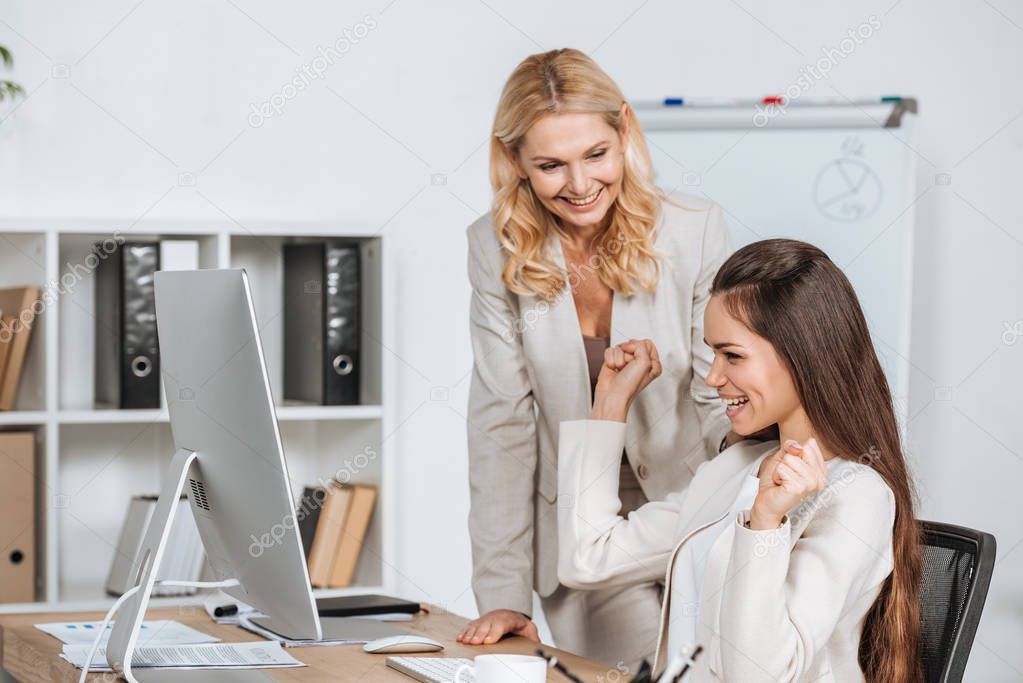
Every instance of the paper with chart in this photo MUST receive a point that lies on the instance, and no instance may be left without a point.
(258, 655)
(157, 632)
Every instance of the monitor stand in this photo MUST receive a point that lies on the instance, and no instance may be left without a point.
(125, 631)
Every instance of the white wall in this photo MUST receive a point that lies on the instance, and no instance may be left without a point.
(126, 97)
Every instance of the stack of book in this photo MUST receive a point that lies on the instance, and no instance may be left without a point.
(17, 315)
(332, 522)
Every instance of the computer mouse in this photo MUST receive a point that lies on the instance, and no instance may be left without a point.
(406, 643)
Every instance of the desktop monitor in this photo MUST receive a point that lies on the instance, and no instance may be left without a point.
(229, 457)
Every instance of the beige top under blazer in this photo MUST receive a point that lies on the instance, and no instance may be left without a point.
(785, 604)
(530, 374)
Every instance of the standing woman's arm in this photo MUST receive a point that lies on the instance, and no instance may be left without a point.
(502, 442)
(714, 250)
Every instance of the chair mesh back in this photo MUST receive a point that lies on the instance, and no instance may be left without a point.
(947, 572)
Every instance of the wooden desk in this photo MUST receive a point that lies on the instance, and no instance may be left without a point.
(32, 656)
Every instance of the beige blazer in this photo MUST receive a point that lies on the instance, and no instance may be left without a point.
(778, 605)
(530, 374)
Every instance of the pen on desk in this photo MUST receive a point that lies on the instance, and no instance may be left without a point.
(225, 610)
(553, 663)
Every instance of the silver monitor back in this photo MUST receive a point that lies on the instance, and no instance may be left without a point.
(221, 408)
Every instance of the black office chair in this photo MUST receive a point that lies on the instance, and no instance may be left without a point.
(957, 568)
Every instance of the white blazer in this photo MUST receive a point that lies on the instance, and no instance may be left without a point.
(530, 374)
(779, 605)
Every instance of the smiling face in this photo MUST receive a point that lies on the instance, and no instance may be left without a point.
(574, 163)
(749, 375)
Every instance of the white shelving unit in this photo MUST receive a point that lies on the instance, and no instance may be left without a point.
(91, 461)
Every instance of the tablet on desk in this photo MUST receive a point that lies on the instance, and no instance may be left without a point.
(363, 605)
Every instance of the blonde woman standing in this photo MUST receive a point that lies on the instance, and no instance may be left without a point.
(580, 251)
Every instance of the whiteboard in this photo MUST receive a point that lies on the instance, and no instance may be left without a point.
(836, 177)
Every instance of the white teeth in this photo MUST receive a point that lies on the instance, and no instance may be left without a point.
(584, 201)
(736, 401)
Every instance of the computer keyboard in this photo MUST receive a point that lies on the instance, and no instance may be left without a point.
(430, 669)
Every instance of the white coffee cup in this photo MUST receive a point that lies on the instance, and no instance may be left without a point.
(504, 669)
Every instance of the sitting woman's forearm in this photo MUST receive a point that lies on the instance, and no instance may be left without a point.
(611, 408)
(597, 548)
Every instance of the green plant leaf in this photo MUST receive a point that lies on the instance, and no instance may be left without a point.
(10, 90)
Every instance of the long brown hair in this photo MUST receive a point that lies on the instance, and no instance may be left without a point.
(793, 295)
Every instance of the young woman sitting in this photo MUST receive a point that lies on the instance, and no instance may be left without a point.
(790, 560)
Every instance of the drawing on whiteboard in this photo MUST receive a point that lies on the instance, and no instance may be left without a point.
(847, 190)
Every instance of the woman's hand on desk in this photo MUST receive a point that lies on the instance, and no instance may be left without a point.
(627, 369)
(492, 626)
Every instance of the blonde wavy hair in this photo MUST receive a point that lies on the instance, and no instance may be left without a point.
(567, 81)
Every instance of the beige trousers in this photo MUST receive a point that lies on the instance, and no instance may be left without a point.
(618, 626)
